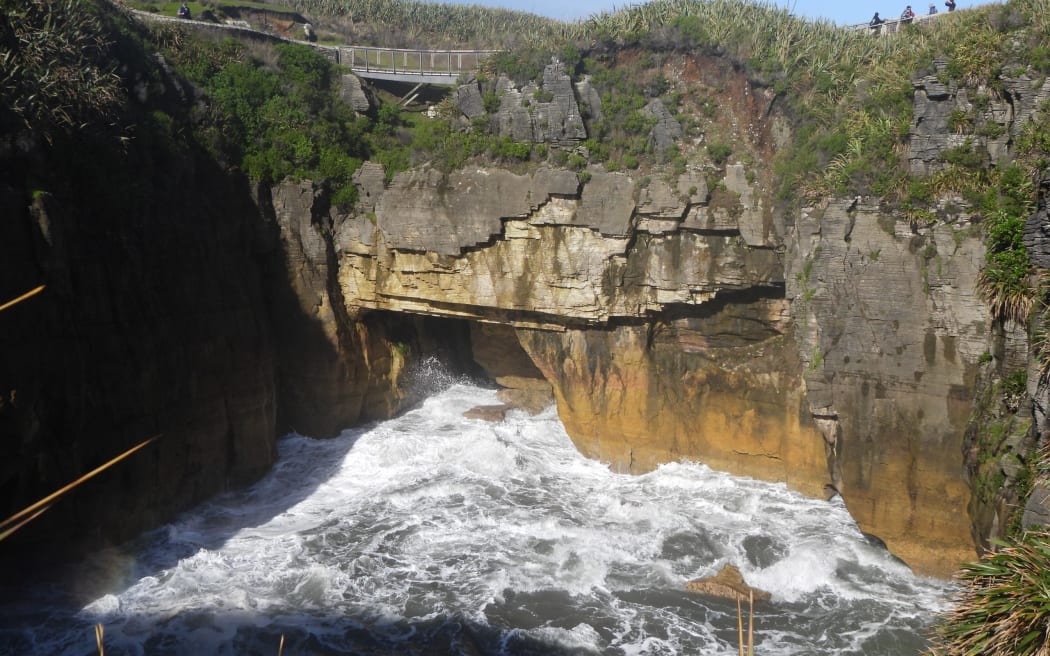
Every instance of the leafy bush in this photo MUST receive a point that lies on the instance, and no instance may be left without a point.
(507, 149)
(1003, 282)
(1003, 609)
(490, 101)
(964, 155)
(719, 152)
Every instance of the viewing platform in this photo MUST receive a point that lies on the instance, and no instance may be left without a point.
(442, 67)
(894, 25)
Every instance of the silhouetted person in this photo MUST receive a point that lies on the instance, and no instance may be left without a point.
(950, 4)
(876, 23)
(184, 11)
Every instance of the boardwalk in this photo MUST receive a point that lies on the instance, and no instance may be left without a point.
(893, 25)
(419, 66)
(442, 67)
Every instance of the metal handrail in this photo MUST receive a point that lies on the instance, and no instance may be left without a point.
(892, 25)
(412, 61)
(372, 59)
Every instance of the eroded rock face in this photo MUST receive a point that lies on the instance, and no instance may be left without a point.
(545, 113)
(890, 331)
(353, 93)
(947, 118)
(672, 323)
(150, 324)
(535, 251)
(721, 387)
(667, 129)
(647, 325)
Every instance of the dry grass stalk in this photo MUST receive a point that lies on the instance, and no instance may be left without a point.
(7, 532)
(14, 301)
(739, 627)
(751, 623)
(280, 647)
(16, 521)
(99, 631)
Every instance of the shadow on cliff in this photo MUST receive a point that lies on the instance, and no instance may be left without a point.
(171, 309)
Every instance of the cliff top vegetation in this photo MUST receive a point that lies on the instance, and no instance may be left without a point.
(848, 97)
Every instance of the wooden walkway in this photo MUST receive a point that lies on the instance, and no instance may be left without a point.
(441, 67)
(893, 25)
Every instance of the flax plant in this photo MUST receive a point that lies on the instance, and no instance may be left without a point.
(437, 24)
(1004, 606)
(56, 70)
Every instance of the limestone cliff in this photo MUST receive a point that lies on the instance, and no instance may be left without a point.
(840, 343)
(890, 331)
(671, 314)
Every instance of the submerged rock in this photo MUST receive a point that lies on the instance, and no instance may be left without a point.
(488, 412)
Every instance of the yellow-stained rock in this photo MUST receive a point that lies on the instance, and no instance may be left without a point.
(635, 400)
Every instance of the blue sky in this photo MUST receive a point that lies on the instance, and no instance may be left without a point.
(843, 12)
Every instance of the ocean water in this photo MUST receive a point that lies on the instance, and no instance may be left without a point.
(436, 534)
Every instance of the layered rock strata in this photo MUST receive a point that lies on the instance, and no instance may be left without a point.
(890, 332)
(675, 325)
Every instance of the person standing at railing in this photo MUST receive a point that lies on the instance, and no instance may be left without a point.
(907, 15)
(933, 9)
(876, 23)
(950, 4)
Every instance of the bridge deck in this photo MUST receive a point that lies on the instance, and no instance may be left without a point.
(427, 66)
(441, 67)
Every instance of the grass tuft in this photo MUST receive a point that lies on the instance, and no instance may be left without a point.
(1004, 606)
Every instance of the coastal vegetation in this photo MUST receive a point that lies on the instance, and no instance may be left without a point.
(1002, 607)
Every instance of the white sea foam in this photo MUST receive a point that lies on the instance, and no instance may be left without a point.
(432, 529)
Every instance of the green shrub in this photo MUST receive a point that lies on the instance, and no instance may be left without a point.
(508, 149)
(1003, 607)
(719, 152)
(490, 101)
(960, 122)
(963, 155)
(577, 161)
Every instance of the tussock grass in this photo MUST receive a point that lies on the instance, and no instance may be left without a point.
(1004, 606)
(56, 66)
(437, 24)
